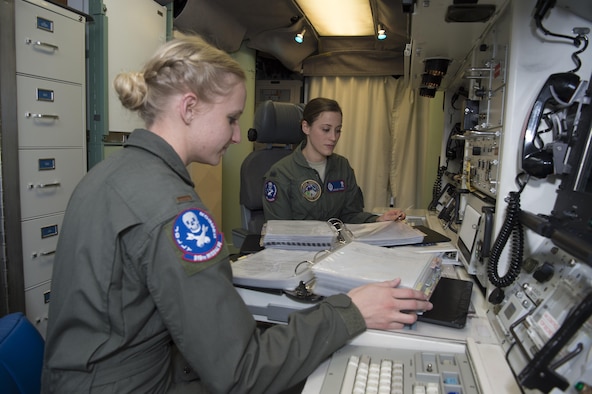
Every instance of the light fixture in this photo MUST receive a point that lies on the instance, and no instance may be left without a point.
(381, 32)
(299, 38)
(427, 92)
(339, 17)
(436, 66)
(431, 81)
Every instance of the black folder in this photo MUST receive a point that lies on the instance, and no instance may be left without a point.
(432, 237)
(251, 244)
(451, 300)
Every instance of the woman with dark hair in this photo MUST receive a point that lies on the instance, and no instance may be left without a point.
(314, 183)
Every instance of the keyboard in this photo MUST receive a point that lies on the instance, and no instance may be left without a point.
(365, 369)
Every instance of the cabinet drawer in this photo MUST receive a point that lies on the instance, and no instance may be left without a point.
(49, 42)
(40, 239)
(51, 114)
(37, 304)
(47, 179)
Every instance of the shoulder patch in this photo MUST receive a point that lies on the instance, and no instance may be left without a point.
(270, 191)
(196, 236)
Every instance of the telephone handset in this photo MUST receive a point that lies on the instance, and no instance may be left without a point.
(556, 93)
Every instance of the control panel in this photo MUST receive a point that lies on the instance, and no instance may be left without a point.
(544, 321)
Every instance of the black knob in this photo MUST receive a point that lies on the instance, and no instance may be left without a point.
(544, 272)
(497, 296)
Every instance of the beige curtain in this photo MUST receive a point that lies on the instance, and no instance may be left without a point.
(366, 137)
(379, 114)
(410, 166)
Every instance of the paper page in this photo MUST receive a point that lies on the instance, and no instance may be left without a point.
(386, 233)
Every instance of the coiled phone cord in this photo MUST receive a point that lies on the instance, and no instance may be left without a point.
(511, 227)
(437, 188)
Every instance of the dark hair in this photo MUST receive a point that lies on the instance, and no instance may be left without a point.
(186, 64)
(313, 109)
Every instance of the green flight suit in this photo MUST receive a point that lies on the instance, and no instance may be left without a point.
(294, 191)
(141, 267)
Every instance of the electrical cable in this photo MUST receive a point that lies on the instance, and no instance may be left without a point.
(541, 9)
(575, 56)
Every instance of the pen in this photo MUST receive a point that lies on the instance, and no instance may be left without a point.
(405, 211)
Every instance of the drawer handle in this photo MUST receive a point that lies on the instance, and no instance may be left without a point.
(45, 185)
(48, 253)
(41, 116)
(41, 44)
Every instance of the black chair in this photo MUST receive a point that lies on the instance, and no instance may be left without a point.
(276, 131)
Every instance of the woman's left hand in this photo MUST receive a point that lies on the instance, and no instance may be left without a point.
(392, 215)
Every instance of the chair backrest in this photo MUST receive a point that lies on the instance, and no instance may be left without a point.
(277, 125)
(21, 355)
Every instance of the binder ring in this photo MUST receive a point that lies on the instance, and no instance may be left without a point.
(310, 263)
(343, 234)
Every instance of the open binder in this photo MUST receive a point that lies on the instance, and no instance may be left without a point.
(321, 235)
(356, 263)
(338, 270)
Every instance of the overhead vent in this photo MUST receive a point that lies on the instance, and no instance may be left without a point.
(466, 13)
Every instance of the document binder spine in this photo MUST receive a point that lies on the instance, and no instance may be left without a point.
(429, 278)
(300, 245)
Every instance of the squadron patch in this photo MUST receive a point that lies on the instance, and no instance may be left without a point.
(311, 190)
(196, 236)
(270, 191)
(336, 186)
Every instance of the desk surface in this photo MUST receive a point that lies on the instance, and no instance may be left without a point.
(477, 338)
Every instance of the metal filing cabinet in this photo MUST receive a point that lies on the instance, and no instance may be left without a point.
(51, 106)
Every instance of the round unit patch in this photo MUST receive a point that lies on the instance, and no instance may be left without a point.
(310, 189)
(270, 191)
(196, 235)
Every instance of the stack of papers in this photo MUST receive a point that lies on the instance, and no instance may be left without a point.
(320, 235)
(386, 233)
(356, 263)
(298, 235)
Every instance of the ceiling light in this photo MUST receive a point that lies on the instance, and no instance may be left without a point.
(299, 38)
(339, 17)
(381, 32)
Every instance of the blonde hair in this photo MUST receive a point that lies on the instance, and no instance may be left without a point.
(187, 64)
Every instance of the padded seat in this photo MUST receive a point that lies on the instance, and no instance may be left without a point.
(21, 355)
(276, 130)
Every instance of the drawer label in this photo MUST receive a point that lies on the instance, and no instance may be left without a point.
(44, 24)
(49, 231)
(47, 164)
(44, 94)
